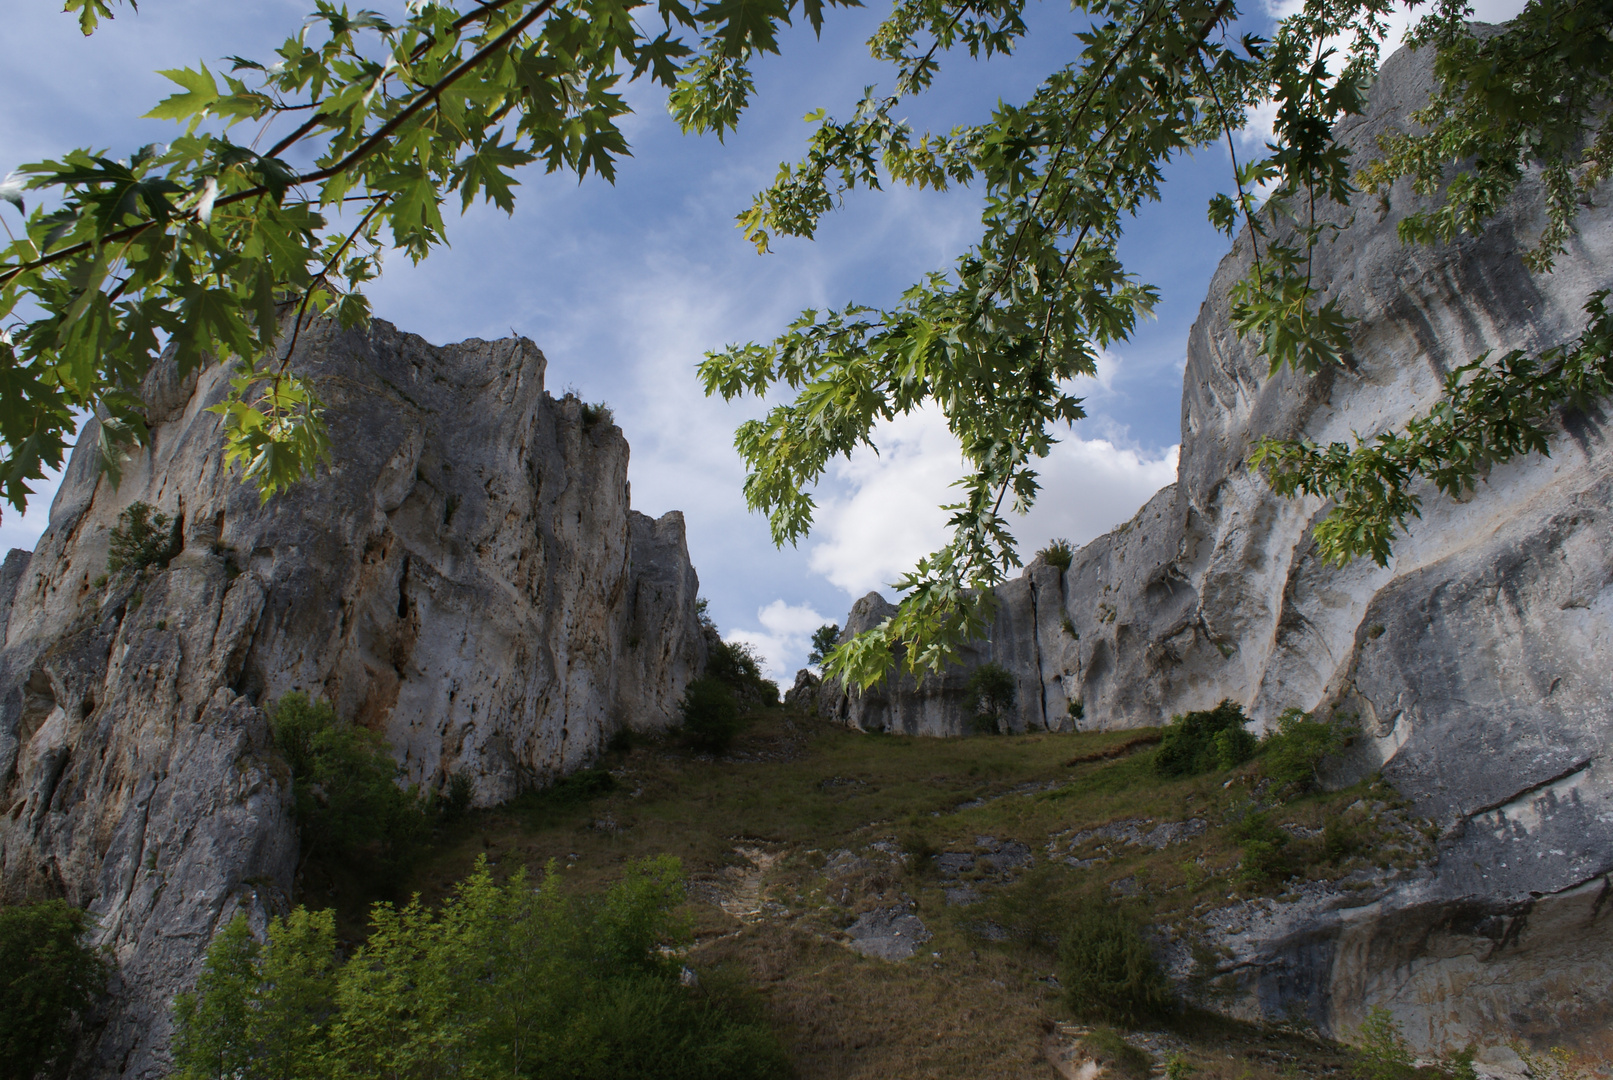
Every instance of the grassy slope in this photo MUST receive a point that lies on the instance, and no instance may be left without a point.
(758, 830)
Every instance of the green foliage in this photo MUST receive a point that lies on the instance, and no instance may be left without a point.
(225, 250)
(1382, 1052)
(823, 643)
(1202, 741)
(1178, 1067)
(1292, 753)
(49, 977)
(349, 805)
(593, 415)
(505, 980)
(992, 341)
(144, 537)
(222, 250)
(454, 803)
(710, 715)
(1106, 968)
(1059, 553)
(736, 665)
(1491, 412)
(1263, 843)
(988, 698)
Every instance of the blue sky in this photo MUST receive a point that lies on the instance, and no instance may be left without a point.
(625, 287)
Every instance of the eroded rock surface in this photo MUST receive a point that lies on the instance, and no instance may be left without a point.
(466, 578)
(1479, 662)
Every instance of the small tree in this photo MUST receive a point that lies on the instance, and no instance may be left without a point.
(143, 537)
(989, 697)
(823, 643)
(1107, 969)
(344, 779)
(710, 715)
(49, 977)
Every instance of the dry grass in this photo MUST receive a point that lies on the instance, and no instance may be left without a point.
(804, 825)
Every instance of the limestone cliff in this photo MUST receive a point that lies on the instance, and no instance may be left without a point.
(1479, 661)
(466, 578)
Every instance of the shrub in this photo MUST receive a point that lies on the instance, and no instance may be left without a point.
(823, 643)
(596, 414)
(1059, 553)
(143, 537)
(1107, 969)
(1383, 1052)
(503, 980)
(1263, 842)
(49, 977)
(1199, 742)
(710, 715)
(456, 796)
(989, 697)
(1292, 754)
(736, 665)
(344, 780)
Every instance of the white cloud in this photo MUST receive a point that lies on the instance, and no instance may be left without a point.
(785, 639)
(890, 516)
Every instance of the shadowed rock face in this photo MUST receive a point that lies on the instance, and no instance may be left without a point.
(466, 578)
(1479, 661)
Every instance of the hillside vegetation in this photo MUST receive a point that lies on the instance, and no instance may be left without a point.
(917, 907)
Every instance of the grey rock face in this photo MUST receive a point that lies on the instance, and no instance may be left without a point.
(1026, 631)
(1479, 661)
(466, 578)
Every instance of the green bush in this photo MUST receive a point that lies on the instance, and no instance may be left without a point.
(1107, 969)
(988, 698)
(143, 537)
(736, 665)
(344, 780)
(1199, 742)
(596, 414)
(1059, 553)
(710, 715)
(49, 977)
(1383, 1052)
(503, 980)
(1292, 753)
(1263, 844)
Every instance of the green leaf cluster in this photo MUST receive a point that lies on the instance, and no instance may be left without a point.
(1205, 740)
(218, 249)
(996, 342)
(345, 783)
(988, 698)
(1491, 411)
(508, 979)
(710, 715)
(1107, 969)
(144, 537)
(49, 978)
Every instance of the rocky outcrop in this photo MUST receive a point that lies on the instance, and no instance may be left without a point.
(466, 577)
(1479, 662)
